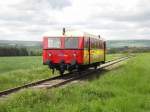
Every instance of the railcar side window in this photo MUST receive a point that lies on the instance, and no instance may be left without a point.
(94, 43)
(54, 43)
(101, 45)
(86, 43)
(71, 42)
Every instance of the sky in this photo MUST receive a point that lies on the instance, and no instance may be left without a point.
(112, 19)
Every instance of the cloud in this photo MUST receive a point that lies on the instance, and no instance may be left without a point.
(28, 18)
(113, 19)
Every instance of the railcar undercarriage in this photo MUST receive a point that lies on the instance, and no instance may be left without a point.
(74, 66)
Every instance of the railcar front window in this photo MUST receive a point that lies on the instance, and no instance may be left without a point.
(54, 43)
(71, 42)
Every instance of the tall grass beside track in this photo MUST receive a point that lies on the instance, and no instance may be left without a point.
(123, 89)
(15, 71)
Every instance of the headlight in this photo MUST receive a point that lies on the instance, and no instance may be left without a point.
(74, 55)
(49, 54)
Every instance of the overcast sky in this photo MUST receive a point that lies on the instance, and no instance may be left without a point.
(112, 19)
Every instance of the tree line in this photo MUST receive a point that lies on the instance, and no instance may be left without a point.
(24, 51)
(16, 51)
(127, 49)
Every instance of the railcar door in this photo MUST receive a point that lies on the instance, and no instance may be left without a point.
(86, 50)
(94, 51)
(104, 51)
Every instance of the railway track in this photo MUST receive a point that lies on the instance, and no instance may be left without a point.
(61, 80)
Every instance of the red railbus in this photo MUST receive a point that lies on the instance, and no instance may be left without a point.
(72, 50)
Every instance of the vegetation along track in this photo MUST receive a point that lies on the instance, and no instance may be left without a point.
(61, 80)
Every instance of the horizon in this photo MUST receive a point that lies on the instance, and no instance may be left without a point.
(106, 40)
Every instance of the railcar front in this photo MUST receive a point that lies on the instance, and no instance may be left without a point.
(63, 53)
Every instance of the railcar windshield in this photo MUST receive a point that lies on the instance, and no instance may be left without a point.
(54, 42)
(71, 42)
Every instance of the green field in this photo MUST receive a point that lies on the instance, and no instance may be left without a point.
(114, 56)
(122, 89)
(15, 71)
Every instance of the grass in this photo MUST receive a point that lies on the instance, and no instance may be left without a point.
(124, 89)
(15, 71)
(9, 64)
(113, 56)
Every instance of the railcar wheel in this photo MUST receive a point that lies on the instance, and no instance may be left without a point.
(70, 71)
(78, 69)
(61, 72)
(95, 67)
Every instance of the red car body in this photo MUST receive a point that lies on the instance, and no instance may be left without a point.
(66, 54)
(73, 51)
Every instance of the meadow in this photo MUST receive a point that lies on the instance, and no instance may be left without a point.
(15, 71)
(125, 88)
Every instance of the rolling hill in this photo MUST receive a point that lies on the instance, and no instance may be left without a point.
(110, 43)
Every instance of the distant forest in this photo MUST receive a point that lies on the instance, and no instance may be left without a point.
(127, 49)
(19, 51)
(34, 48)
(22, 51)
(20, 48)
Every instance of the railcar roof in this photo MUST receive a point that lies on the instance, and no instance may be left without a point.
(70, 34)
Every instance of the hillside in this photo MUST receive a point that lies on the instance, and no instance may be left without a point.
(127, 43)
(110, 43)
(14, 43)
